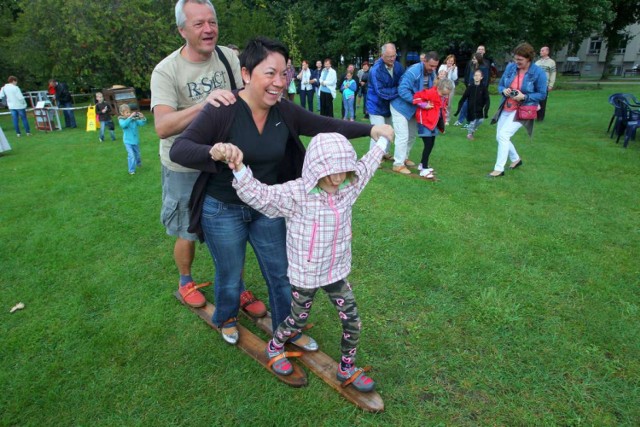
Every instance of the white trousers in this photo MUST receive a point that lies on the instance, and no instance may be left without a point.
(507, 127)
(379, 120)
(405, 131)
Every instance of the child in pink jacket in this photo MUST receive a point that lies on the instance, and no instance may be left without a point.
(317, 207)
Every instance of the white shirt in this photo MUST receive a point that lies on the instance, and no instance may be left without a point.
(15, 99)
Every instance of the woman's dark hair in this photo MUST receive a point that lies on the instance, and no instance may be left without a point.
(525, 50)
(258, 49)
(479, 58)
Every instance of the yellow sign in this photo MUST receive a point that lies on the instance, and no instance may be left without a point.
(91, 118)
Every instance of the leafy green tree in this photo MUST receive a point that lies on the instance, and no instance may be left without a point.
(90, 44)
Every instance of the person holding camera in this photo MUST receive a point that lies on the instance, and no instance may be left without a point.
(523, 84)
(129, 122)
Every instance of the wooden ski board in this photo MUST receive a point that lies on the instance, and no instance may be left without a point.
(250, 344)
(326, 368)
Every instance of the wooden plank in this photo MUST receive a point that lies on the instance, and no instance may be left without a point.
(326, 368)
(251, 344)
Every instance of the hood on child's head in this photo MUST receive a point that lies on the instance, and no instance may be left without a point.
(328, 153)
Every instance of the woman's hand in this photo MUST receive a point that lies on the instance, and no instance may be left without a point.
(382, 130)
(228, 153)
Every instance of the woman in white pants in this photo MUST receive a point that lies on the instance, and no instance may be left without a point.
(522, 84)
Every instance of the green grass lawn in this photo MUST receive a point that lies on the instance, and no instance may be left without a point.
(513, 301)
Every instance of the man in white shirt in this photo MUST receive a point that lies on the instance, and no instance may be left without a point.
(17, 105)
(549, 67)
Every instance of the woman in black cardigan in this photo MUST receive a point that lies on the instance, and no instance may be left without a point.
(267, 129)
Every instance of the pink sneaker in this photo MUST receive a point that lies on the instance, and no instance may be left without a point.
(470, 137)
(357, 378)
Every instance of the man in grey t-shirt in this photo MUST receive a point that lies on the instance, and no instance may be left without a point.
(181, 85)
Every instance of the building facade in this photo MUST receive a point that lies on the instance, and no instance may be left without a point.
(589, 60)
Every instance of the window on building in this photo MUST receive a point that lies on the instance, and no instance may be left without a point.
(595, 44)
(622, 47)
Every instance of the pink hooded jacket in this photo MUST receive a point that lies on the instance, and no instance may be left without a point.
(318, 223)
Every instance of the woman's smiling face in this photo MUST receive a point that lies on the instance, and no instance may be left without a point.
(267, 80)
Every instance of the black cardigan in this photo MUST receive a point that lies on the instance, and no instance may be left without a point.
(478, 102)
(212, 125)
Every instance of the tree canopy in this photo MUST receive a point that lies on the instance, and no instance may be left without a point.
(97, 44)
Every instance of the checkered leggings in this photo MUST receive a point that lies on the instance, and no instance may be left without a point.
(341, 296)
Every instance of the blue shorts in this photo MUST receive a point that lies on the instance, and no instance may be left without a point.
(176, 192)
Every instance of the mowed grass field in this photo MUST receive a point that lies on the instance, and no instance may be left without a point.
(513, 301)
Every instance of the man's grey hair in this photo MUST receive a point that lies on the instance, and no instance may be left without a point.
(383, 48)
(181, 17)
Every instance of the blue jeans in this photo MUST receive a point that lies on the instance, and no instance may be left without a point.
(111, 131)
(463, 113)
(16, 124)
(133, 156)
(69, 117)
(227, 228)
(349, 107)
(474, 125)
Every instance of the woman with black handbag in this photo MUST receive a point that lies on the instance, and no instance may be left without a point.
(523, 85)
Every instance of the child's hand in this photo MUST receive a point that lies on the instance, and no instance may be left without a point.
(228, 153)
(382, 130)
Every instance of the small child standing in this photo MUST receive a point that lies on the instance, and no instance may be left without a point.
(317, 207)
(442, 74)
(348, 92)
(429, 116)
(478, 102)
(129, 122)
(103, 110)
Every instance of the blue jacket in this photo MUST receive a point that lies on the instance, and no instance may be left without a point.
(412, 82)
(382, 88)
(534, 87)
(534, 84)
(130, 129)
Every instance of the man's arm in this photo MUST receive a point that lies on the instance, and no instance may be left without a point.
(169, 121)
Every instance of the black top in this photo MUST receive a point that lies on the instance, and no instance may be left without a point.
(263, 152)
(62, 93)
(106, 116)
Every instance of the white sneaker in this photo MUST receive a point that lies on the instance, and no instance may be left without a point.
(427, 173)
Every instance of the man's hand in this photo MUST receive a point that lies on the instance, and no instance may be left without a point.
(219, 97)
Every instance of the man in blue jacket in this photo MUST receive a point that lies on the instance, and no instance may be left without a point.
(384, 78)
(419, 76)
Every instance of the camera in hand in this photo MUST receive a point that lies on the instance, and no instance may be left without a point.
(514, 93)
